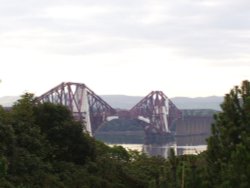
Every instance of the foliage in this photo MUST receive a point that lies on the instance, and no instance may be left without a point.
(121, 131)
(121, 125)
(43, 146)
(67, 142)
(228, 153)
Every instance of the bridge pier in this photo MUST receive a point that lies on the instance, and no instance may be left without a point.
(155, 109)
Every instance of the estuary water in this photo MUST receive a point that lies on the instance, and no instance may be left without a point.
(163, 149)
(192, 145)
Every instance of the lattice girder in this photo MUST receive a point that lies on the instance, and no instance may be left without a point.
(84, 104)
(158, 111)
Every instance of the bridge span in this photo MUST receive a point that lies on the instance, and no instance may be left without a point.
(156, 110)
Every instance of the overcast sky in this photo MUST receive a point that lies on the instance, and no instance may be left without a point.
(183, 47)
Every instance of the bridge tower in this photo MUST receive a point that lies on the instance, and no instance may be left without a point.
(84, 104)
(158, 111)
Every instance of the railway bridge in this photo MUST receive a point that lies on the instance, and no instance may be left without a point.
(156, 110)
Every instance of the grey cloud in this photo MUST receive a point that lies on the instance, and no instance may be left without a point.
(193, 28)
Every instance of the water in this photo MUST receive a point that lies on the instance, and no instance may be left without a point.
(163, 149)
(182, 145)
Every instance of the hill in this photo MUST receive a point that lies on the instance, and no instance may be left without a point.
(8, 101)
(212, 102)
(127, 102)
(121, 101)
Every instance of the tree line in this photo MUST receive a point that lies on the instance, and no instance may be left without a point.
(42, 146)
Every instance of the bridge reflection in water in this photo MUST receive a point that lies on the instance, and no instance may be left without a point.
(178, 146)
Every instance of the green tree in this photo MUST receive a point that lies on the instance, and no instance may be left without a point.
(26, 160)
(28, 133)
(228, 153)
(7, 142)
(65, 135)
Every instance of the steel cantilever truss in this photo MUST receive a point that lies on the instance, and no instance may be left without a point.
(158, 111)
(155, 109)
(84, 104)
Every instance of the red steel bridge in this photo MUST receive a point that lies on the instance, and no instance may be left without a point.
(156, 110)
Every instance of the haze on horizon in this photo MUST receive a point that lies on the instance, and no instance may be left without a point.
(190, 48)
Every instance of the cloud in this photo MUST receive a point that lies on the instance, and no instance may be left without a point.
(205, 29)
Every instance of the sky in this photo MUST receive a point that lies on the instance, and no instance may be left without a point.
(191, 48)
